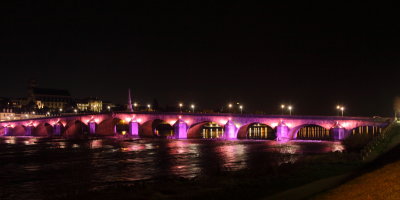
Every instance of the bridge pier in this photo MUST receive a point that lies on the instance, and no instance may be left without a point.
(92, 127)
(134, 129)
(180, 129)
(28, 130)
(57, 129)
(282, 132)
(338, 133)
(7, 130)
(230, 130)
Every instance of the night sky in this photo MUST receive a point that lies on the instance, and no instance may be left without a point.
(311, 55)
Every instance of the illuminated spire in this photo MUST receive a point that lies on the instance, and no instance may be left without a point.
(129, 108)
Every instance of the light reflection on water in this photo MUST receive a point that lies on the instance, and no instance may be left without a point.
(49, 164)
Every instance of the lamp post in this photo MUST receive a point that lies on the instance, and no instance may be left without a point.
(290, 110)
(241, 109)
(134, 106)
(180, 107)
(340, 108)
(192, 106)
(230, 107)
(282, 107)
(148, 106)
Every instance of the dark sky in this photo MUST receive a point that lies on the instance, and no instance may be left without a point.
(309, 54)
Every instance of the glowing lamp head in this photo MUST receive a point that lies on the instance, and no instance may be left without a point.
(230, 105)
(290, 107)
(134, 104)
(180, 104)
(148, 105)
(192, 106)
(282, 106)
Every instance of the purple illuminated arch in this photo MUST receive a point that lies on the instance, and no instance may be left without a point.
(43, 130)
(75, 129)
(296, 129)
(244, 130)
(107, 127)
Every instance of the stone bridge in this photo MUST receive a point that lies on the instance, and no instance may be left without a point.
(183, 125)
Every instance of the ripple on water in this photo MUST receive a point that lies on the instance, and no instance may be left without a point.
(35, 163)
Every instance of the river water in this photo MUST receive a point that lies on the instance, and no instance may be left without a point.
(33, 168)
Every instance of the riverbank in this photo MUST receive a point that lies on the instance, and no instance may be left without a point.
(379, 180)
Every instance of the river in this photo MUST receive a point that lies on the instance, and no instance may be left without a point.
(31, 168)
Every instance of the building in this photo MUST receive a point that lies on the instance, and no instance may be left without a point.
(8, 114)
(89, 104)
(49, 98)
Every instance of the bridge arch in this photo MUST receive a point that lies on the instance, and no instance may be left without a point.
(256, 130)
(19, 130)
(311, 132)
(368, 130)
(107, 127)
(206, 129)
(75, 128)
(43, 130)
(156, 128)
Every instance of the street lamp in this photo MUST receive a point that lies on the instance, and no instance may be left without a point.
(60, 109)
(230, 107)
(192, 106)
(290, 110)
(180, 107)
(282, 107)
(241, 109)
(33, 112)
(340, 109)
(109, 108)
(148, 106)
(75, 110)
